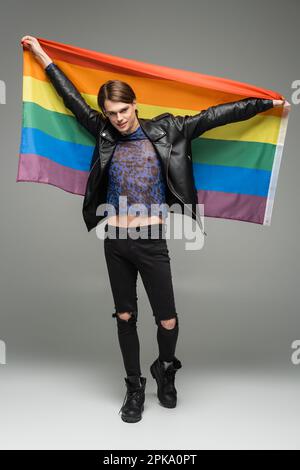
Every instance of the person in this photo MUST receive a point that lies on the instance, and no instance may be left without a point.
(133, 169)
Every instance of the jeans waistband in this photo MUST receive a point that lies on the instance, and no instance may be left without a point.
(153, 231)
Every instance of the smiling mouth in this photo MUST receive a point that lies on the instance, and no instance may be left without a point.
(122, 125)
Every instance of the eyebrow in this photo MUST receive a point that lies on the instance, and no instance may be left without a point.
(119, 111)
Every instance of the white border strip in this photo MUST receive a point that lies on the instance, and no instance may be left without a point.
(276, 163)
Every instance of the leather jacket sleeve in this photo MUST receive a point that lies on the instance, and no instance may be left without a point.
(86, 116)
(214, 116)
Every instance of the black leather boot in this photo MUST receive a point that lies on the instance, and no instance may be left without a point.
(133, 404)
(165, 379)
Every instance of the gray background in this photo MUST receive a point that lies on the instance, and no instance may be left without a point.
(238, 298)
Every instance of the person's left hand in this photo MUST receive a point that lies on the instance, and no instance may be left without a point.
(278, 103)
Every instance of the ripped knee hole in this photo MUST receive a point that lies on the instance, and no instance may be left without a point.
(170, 323)
(125, 315)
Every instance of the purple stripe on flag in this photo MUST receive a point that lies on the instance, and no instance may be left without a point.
(233, 205)
(39, 169)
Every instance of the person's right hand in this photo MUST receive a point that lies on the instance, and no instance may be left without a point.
(278, 103)
(31, 43)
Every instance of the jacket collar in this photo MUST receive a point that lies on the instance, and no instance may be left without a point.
(153, 131)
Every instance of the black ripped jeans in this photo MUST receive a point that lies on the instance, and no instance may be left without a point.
(147, 254)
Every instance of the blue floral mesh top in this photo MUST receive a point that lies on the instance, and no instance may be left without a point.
(135, 171)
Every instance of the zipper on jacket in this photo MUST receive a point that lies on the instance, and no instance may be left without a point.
(98, 158)
(175, 193)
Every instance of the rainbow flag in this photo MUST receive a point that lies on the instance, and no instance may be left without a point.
(235, 166)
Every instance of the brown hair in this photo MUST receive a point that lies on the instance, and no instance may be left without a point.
(115, 90)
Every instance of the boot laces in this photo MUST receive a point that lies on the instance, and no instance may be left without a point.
(169, 376)
(131, 394)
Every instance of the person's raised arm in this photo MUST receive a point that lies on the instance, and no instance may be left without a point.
(218, 115)
(88, 117)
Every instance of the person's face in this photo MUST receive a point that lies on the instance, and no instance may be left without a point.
(122, 115)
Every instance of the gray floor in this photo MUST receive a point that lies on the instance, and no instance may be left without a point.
(68, 405)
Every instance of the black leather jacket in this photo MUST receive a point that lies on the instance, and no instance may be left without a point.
(170, 135)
